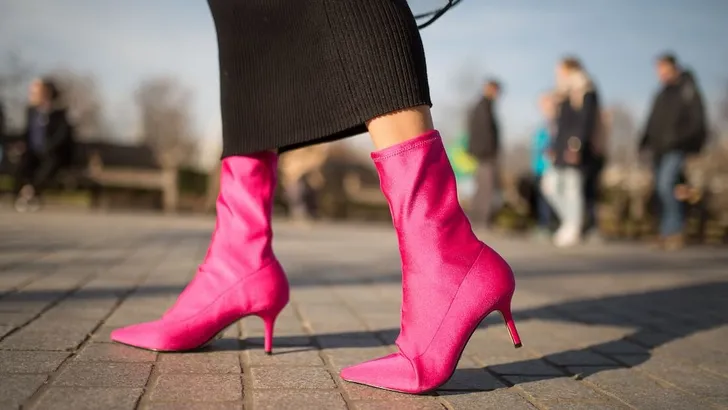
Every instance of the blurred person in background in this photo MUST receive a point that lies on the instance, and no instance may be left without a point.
(48, 144)
(484, 146)
(540, 162)
(2, 130)
(676, 128)
(302, 178)
(593, 169)
(363, 64)
(571, 152)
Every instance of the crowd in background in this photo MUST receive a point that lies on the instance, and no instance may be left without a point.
(569, 151)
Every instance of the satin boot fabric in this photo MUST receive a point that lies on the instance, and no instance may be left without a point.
(239, 276)
(450, 279)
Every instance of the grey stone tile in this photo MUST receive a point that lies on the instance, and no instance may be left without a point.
(285, 356)
(16, 388)
(297, 400)
(197, 388)
(4, 330)
(104, 374)
(30, 362)
(643, 392)
(358, 392)
(107, 352)
(432, 404)
(291, 378)
(688, 378)
(472, 379)
(580, 358)
(563, 389)
(44, 340)
(193, 406)
(84, 398)
(496, 400)
(199, 362)
(534, 367)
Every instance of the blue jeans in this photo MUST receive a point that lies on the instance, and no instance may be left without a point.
(668, 170)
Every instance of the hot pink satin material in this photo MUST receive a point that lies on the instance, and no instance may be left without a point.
(450, 279)
(239, 276)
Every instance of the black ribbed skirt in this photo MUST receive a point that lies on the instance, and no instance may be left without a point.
(299, 72)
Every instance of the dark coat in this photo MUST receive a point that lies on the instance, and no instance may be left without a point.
(677, 121)
(576, 128)
(483, 131)
(59, 140)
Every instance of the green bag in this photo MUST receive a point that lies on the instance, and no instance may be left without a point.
(462, 162)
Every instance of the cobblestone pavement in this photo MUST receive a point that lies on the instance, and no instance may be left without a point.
(604, 327)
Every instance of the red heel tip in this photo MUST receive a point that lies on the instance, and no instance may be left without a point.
(518, 345)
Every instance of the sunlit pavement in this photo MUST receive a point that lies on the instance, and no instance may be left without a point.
(604, 326)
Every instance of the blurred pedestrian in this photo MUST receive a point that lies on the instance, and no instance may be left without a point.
(484, 146)
(302, 178)
(2, 130)
(576, 122)
(48, 144)
(676, 128)
(540, 162)
(303, 72)
(593, 169)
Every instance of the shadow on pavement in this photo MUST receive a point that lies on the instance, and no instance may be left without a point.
(659, 317)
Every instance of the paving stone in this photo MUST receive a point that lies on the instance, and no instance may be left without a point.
(106, 352)
(399, 405)
(661, 320)
(197, 388)
(16, 388)
(103, 334)
(688, 378)
(30, 362)
(496, 400)
(620, 347)
(534, 367)
(193, 406)
(77, 398)
(90, 374)
(580, 358)
(476, 379)
(643, 392)
(44, 340)
(291, 378)
(554, 392)
(297, 400)
(15, 318)
(284, 356)
(4, 330)
(199, 362)
(358, 392)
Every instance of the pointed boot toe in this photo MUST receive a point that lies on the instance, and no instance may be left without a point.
(142, 335)
(393, 372)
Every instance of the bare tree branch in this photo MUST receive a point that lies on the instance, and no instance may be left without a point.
(164, 106)
(85, 108)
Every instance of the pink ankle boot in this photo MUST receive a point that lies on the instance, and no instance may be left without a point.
(451, 281)
(239, 277)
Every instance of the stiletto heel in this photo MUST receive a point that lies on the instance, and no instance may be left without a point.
(269, 321)
(511, 325)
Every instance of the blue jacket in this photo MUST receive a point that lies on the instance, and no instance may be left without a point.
(540, 144)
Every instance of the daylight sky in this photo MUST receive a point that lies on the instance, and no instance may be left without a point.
(519, 41)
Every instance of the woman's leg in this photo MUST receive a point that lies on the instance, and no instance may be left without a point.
(450, 280)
